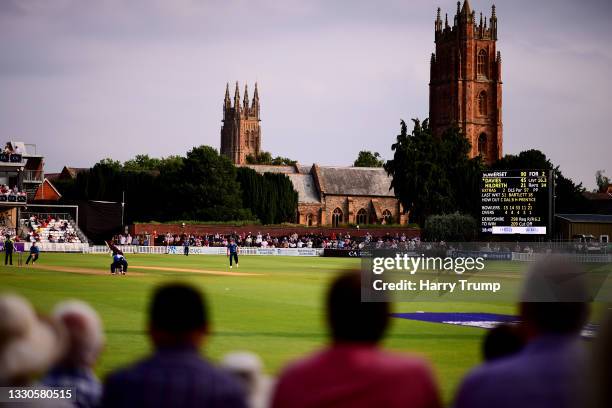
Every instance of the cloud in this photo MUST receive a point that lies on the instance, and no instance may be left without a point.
(87, 80)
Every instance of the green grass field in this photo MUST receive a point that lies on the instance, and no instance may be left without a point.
(277, 314)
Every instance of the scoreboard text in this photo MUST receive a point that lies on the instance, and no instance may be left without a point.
(515, 202)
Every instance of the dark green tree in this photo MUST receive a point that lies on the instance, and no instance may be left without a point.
(433, 175)
(270, 197)
(142, 162)
(368, 159)
(602, 181)
(266, 158)
(111, 163)
(207, 189)
(450, 227)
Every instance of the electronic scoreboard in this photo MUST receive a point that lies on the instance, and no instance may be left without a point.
(516, 202)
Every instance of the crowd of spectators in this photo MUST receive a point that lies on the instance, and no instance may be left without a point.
(267, 240)
(11, 194)
(11, 153)
(540, 362)
(49, 228)
(343, 240)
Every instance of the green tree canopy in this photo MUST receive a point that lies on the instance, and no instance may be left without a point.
(602, 181)
(266, 158)
(368, 159)
(270, 196)
(450, 227)
(208, 189)
(433, 175)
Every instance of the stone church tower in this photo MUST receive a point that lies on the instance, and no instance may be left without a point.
(241, 132)
(465, 87)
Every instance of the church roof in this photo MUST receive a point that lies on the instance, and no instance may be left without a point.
(332, 180)
(265, 168)
(356, 181)
(306, 188)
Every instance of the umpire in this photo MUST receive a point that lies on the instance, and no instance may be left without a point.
(9, 247)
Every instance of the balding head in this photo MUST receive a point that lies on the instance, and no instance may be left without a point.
(85, 332)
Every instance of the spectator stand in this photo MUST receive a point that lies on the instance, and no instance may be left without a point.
(50, 228)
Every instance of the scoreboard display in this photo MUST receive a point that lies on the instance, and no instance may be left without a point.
(516, 202)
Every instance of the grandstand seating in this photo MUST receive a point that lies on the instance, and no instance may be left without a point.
(51, 228)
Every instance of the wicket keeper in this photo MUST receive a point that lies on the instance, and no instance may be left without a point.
(119, 264)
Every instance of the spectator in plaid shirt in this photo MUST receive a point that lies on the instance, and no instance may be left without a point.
(175, 375)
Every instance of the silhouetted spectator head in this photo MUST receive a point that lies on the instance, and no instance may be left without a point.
(178, 316)
(555, 297)
(503, 340)
(601, 381)
(350, 320)
(85, 335)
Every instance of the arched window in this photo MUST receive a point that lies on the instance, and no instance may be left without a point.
(481, 65)
(482, 145)
(362, 217)
(309, 220)
(387, 217)
(337, 217)
(482, 103)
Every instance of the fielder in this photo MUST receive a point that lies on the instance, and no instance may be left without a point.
(232, 252)
(34, 251)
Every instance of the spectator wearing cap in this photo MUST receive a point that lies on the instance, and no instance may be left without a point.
(550, 370)
(353, 371)
(175, 375)
(85, 342)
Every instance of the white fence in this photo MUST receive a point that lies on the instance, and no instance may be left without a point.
(579, 258)
(51, 247)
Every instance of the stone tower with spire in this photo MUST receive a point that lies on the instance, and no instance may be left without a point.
(465, 87)
(241, 131)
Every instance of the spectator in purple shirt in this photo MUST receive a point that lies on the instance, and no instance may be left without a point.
(176, 375)
(550, 371)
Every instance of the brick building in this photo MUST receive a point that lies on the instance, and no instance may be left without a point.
(334, 195)
(465, 86)
(241, 132)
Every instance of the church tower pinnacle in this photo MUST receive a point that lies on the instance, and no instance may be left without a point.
(465, 87)
(241, 130)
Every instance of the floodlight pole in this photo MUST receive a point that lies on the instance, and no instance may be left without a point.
(122, 208)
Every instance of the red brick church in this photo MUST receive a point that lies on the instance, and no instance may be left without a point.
(465, 88)
(465, 91)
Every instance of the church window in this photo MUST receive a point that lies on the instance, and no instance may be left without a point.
(309, 220)
(482, 63)
(337, 217)
(387, 217)
(482, 145)
(362, 217)
(482, 103)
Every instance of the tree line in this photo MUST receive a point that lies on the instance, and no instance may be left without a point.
(202, 186)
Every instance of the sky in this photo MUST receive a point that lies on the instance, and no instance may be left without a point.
(89, 79)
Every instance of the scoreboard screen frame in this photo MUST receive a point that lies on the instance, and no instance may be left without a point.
(545, 211)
